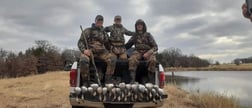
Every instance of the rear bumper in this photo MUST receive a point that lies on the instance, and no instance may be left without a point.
(87, 103)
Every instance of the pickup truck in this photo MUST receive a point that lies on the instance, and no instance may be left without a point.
(120, 94)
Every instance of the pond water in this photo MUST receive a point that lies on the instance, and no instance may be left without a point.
(230, 83)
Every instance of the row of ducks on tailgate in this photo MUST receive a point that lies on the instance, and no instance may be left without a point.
(122, 92)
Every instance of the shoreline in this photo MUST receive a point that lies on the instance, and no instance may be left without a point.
(222, 67)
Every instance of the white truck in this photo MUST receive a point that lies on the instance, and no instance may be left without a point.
(120, 94)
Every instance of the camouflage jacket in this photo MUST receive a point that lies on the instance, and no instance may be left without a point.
(144, 42)
(117, 33)
(97, 40)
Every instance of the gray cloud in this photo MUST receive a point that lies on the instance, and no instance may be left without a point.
(210, 29)
(176, 7)
(188, 7)
(224, 28)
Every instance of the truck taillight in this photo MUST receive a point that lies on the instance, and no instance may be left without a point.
(73, 78)
(161, 79)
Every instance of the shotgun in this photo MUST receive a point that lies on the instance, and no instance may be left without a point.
(92, 59)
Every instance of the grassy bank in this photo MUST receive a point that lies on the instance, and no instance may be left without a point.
(50, 90)
(179, 98)
(222, 67)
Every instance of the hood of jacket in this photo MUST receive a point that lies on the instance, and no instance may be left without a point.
(140, 21)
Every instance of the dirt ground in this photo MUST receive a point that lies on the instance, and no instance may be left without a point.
(51, 90)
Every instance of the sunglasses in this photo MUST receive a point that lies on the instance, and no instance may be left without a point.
(99, 20)
(117, 19)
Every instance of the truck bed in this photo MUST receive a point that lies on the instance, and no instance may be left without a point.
(136, 99)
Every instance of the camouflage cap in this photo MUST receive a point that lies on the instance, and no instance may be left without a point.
(117, 17)
(99, 17)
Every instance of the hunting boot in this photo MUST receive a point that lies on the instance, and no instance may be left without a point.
(151, 77)
(84, 70)
(133, 77)
(108, 79)
(85, 79)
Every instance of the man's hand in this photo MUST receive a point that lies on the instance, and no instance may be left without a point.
(87, 52)
(146, 55)
(245, 10)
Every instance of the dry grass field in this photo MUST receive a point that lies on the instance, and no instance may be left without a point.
(50, 90)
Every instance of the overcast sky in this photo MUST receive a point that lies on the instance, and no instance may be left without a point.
(210, 29)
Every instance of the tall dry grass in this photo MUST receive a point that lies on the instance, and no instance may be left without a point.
(214, 100)
(179, 98)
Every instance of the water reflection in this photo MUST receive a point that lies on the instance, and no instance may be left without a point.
(181, 80)
(238, 84)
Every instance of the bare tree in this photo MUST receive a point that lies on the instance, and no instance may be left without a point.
(3, 54)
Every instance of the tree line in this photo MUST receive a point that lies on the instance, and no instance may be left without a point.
(173, 57)
(238, 61)
(44, 56)
(41, 57)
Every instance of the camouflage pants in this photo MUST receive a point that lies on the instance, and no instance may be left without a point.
(119, 52)
(121, 56)
(108, 58)
(134, 61)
